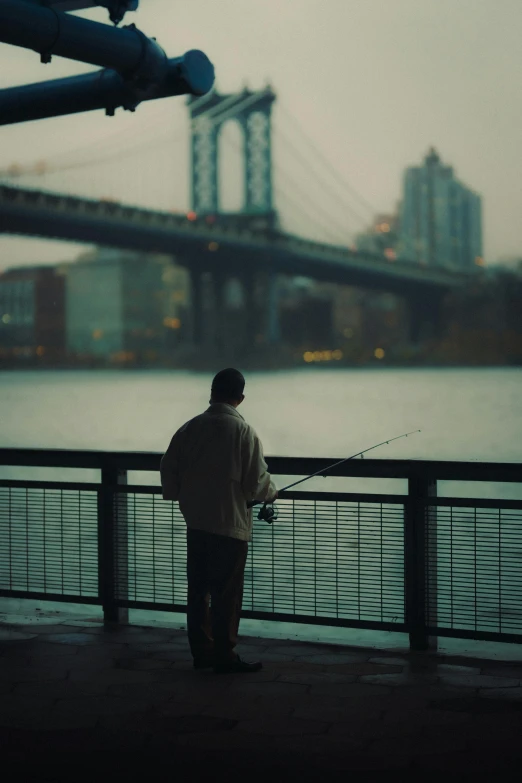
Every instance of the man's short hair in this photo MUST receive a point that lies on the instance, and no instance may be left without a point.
(227, 385)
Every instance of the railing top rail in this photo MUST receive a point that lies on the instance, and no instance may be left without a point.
(288, 466)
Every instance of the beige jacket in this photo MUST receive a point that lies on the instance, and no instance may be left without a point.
(214, 466)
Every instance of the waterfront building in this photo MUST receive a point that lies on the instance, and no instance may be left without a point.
(32, 314)
(441, 219)
(381, 237)
(122, 306)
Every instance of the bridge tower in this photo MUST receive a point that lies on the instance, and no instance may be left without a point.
(208, 114)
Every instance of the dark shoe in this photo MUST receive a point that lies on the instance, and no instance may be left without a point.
(203, 663)
(237, 666)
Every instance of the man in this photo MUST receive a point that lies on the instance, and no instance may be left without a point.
(215, 467)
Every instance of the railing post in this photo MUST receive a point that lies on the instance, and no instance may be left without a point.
(420, 562)
(112, 547)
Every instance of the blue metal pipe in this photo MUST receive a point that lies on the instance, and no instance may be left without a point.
(193, 73)
(48, 31)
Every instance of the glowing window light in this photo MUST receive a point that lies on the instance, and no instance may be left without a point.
(171, 323)
(379, 353)
(308, 356)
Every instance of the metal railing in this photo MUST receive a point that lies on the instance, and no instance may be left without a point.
(415, 562)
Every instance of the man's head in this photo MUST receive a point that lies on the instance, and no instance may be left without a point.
(228, 386)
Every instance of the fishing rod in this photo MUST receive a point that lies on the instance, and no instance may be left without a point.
(268, 512)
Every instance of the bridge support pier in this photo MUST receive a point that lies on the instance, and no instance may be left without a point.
(197, 316)
(273, 326)
(424, 316)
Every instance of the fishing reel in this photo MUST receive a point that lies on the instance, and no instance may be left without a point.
(268, 513)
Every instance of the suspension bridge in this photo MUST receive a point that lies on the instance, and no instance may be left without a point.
(119, 193)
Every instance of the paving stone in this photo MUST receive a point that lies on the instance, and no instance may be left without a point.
(176, 710)
(364, 668)
(44, 650)
(399, 716)
(266, 674)
(416, 745)
(189, 724)
(226, 744)
(282, 726)
(514, 672)
(142, 664)
(322, 748)
(404, 678)
(61, 689)
(273, 689)
(363, 764)
(13, 706)
(110, 676)
(157, 647)
(99, 705)
(240, 709)
(298, 649)
(339, 713)
(298, 666)
(508, 694)
(154, 692)
(41, 629)
(8, 635)
(474, 704)
(13, 674)
(52, 743)
(71, 638)
(478, 681)
(329, 659)
(356, 690)
(390, 661)
(86, 624)
(66, 721)
(314, 678)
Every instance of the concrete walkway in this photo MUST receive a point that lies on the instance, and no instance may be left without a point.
(79, 701)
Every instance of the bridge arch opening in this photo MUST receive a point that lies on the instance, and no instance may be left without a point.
(231, 167)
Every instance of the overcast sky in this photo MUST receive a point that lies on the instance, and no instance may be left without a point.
(374, 83)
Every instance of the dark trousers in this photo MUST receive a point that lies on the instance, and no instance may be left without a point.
(215, 575)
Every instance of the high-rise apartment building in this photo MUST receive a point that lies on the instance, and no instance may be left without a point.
(441, 219)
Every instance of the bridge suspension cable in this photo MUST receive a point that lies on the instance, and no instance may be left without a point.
(327, 188)
(332, 230)
(326, 163)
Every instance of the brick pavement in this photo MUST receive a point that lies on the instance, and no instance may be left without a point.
(78, 700)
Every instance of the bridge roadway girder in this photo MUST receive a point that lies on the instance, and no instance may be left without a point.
(37, 213)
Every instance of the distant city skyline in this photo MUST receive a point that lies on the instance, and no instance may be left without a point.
(375, 84)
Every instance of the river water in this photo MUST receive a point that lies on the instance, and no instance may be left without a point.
(472, 414)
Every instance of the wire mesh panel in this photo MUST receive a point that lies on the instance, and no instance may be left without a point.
(49, 541)
(152, 532)
(329, 559)
(474, 563)
(321, 559)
